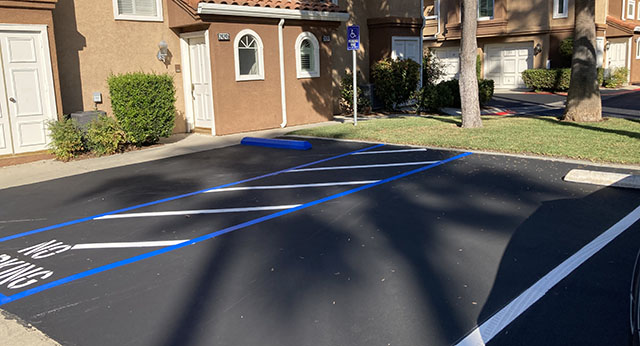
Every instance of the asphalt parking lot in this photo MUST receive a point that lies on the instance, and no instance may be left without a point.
(344, 244)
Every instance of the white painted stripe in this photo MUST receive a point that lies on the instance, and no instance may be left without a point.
(159, 243)
(296, 186)
(494, 325)
(388, 151)
(195, 212)
(362, 166)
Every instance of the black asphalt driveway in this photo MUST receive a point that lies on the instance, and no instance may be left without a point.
(615, 103)
(344, 244)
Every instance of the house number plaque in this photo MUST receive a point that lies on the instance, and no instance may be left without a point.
(224, 36)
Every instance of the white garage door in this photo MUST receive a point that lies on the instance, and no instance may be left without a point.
(504, 64)
(450, 59)
(406, 48)
(26, 89)
(617, 54)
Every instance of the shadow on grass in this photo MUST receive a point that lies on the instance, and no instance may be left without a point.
(583, 126)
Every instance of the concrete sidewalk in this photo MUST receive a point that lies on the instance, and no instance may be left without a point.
(179, 144)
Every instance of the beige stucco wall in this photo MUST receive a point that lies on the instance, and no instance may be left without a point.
(241, 106)
(93, 45)
(41, 15)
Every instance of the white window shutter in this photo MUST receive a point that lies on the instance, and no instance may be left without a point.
(145, 7)
(125, 7)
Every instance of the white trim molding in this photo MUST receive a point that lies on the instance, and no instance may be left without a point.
(159, 17)
(638, 48)
(315, 68)
(236, 42)
(268, 12)
(631, 9)
(556, 9)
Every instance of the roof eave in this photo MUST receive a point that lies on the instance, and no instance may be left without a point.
(267, 12)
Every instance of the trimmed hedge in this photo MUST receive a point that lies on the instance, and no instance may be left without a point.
(346, 94)
(617, 78)
(144, 105)
(395, 81)
(105, 136)
(557, 79)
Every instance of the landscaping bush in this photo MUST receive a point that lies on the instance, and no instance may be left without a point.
(346, 93)
(478, 66)
(395, 81)
(66, 139)
(551, 80)
(432, 69)
(617, 78)
(447, 94)
(144, 105)
(105, 136)
(566, 47)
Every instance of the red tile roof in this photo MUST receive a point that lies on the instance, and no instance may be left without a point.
(622, 25)
(301, 5)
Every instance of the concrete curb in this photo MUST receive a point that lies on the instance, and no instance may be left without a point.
(14, 331)
(603, 178)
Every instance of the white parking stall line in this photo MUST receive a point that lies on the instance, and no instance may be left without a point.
(195, 212)
(362, 166)
(295, 186)
(121, 245)
(494, 325)
(388, 151)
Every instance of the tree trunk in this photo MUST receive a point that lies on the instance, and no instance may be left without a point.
(583, 100)
(468, 79)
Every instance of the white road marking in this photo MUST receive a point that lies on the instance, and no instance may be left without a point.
(297, 186)
(388, 151)
(194, 212)
(159, 243)
(494, 325)
(362, 166)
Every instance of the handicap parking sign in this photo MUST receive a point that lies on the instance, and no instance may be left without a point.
(353, 37)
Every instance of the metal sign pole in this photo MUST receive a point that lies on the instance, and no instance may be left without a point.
(355, 90)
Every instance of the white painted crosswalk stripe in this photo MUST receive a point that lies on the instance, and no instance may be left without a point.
(294, 186)
(362, 166)
(159, 243)
(195, 212)
(388, 151)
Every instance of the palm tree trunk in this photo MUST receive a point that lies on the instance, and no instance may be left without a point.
(583, 100)
(468, 79)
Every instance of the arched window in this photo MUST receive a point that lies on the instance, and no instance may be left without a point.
(248, 55)
(307, 56)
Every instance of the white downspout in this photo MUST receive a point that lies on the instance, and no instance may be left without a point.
(435, 36)
(283, 95)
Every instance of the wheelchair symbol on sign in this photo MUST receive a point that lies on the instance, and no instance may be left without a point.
(353, 35)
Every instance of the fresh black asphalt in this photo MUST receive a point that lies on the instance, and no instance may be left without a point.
(420, 260)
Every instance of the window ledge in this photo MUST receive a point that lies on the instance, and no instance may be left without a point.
(248, 78)
(308, 75)
(139, 18)
(560, 15)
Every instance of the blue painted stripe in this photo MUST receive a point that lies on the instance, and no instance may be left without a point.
(89, 218)
(26, 293)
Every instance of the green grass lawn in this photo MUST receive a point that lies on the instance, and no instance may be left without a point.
(612, 140)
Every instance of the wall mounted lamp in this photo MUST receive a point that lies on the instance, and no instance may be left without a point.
(537, 49)
(608, 45)
(163, 51)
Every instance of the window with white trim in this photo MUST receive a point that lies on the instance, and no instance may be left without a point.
(638, 48)
(485, 9)
(307, 56)
(249, 60)
(631, 9)
(144, 10)
(560, 8)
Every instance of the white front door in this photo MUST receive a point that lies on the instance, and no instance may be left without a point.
(200, 82)
(505, 63)
(26, 91)
(617, 54)
(406, 48)
(449, 58)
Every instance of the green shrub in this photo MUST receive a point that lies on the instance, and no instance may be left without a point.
(551, 80)
(66, 139)
(566, 47)
(346, 93)
(617, 78)
(478, 66)
(144, 105)
(447, 94)
(395, 81)
(432, 69)
(105, 136)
